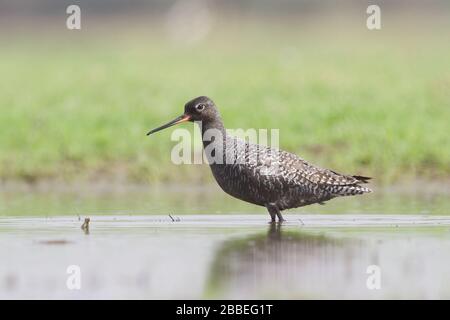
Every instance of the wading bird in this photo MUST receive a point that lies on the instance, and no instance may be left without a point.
(275, 179)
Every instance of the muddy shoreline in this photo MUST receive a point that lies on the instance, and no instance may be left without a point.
(407, 186)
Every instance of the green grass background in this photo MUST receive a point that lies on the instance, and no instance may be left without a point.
(78, 105)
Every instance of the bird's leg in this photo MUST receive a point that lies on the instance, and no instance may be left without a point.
(274, 212)
(280, 217)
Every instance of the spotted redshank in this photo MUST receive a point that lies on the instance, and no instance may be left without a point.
(275, 179)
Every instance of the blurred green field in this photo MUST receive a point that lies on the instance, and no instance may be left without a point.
(78, 107)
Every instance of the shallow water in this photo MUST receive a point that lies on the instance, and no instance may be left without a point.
(218, 256)
(134, 249)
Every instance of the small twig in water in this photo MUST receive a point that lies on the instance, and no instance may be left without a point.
(85, 225)
(177, 219)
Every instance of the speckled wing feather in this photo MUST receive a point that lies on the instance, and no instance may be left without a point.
(281, 167)
(331, 181)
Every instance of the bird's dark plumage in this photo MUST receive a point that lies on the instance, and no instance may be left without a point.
(276, 179)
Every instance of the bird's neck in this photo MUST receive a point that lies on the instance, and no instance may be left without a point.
(214, 135)
(213, 128)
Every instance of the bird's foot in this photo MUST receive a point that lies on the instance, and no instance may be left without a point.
(274, 213)
(280, 218)
(274, 221)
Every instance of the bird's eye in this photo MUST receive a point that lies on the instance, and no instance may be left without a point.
(200, 107)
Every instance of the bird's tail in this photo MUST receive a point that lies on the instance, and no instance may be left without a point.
(351, 189)
(362, 179)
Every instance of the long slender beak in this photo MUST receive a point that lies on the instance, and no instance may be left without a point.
(180, 119)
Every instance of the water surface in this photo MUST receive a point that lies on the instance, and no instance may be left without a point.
(180, 242)
(223, 256)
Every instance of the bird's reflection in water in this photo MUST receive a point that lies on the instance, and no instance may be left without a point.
(287, 264)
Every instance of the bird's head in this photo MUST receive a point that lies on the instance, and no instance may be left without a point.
(199, 109)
